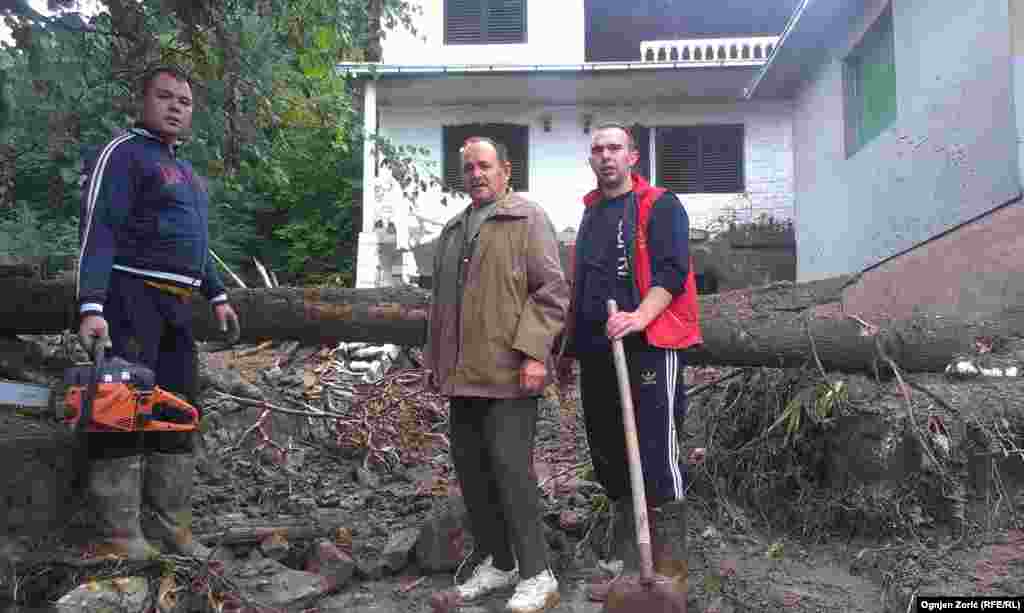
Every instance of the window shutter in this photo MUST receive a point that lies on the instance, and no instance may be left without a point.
(642, 138)
(463, 22)
(722, 159)
(514, 137)
(506, 21)
(701, 159)
(678, 160)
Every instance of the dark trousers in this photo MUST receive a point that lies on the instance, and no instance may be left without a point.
(492, 445)
(659, 403)
(151, 327)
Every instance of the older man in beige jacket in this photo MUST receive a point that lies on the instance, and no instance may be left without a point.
(500, 300)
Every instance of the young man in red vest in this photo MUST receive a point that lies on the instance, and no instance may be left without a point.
(632, 246)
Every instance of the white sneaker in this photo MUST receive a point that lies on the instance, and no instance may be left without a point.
(486, 580)
(536, 594)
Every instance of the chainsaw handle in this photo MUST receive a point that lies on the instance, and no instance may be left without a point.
(98, 357)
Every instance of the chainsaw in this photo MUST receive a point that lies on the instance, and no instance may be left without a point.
(106, 396)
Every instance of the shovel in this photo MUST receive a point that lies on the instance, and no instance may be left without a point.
(648, 593)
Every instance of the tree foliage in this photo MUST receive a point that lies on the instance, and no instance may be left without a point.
(275, 129)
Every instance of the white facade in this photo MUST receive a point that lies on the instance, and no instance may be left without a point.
(558, 170)
(554, 35)
(545, 84)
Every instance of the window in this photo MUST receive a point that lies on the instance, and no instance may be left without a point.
(484, 22)
(514, 137)
(700, 159)
(869, 80)
(642, 138)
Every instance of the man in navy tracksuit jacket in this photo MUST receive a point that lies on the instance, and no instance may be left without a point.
(632, 247)
(144, 258)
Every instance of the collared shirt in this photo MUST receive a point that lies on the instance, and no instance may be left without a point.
(477, 214)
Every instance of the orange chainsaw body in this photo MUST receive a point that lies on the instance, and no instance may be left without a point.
(127, 400)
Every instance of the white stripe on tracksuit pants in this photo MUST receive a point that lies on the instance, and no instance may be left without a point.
(659, 400)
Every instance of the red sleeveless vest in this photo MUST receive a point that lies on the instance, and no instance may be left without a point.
(678, 326)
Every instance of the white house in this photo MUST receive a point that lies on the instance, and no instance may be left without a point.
(907, 128)
(517, 70)
(891, 131)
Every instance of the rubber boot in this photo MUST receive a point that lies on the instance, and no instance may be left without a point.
(115, 489)
(624, 548)
(168, 493)
(668, 541)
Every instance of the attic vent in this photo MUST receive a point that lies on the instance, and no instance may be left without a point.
(484, 22)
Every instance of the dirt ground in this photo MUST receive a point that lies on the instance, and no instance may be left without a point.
(737, 563)
(747, 551)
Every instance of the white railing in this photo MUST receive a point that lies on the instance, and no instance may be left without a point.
(737, 50)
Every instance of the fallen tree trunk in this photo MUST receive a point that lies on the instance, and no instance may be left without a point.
(779, 325)
(385, 315)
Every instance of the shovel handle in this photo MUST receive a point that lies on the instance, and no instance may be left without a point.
(636, 474)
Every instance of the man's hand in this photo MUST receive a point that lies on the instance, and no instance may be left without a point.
(228, 320)
(93, 329)
(625, 322)
(532, 375)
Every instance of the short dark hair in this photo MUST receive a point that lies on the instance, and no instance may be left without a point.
(153, 73)
(498, 146)
(611, 125)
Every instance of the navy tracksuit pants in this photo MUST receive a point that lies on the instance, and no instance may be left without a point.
(152, 327)
(659, 402)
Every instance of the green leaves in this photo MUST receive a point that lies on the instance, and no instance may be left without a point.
(293, 200)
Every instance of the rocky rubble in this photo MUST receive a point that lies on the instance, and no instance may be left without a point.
(330, 485)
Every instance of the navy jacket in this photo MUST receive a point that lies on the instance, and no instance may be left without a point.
(603, 266)
(144, 212)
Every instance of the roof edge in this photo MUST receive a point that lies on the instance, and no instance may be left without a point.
(794, 19)
(373, 69)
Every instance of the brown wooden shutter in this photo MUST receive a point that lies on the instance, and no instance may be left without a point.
(701, 159)
(506, 21)
(642, 138)
(514, 137)
(722, 159)
(474, 22)
(463, 22)
(678, 160)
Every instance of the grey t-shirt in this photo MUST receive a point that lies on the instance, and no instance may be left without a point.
(477, 215)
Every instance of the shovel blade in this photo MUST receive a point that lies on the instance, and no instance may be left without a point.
(631, 594)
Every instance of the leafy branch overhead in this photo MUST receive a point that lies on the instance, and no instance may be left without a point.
(276, 129)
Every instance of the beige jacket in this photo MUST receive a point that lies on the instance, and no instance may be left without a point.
(496, 300)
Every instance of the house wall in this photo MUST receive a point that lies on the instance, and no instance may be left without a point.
(976, 270)
(949, 157)
(554, 35)
(1016, 8)
(558, 171)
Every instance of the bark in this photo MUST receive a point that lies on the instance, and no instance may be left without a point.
(395, 315)
(374, 50)
(230, 42)
(767, 326)
(8, 156)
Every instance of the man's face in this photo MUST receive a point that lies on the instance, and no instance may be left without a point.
(611, 157)
(483, 176)
(167, 106)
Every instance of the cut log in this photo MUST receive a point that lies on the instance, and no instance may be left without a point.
(311, 315)
(773, 326)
